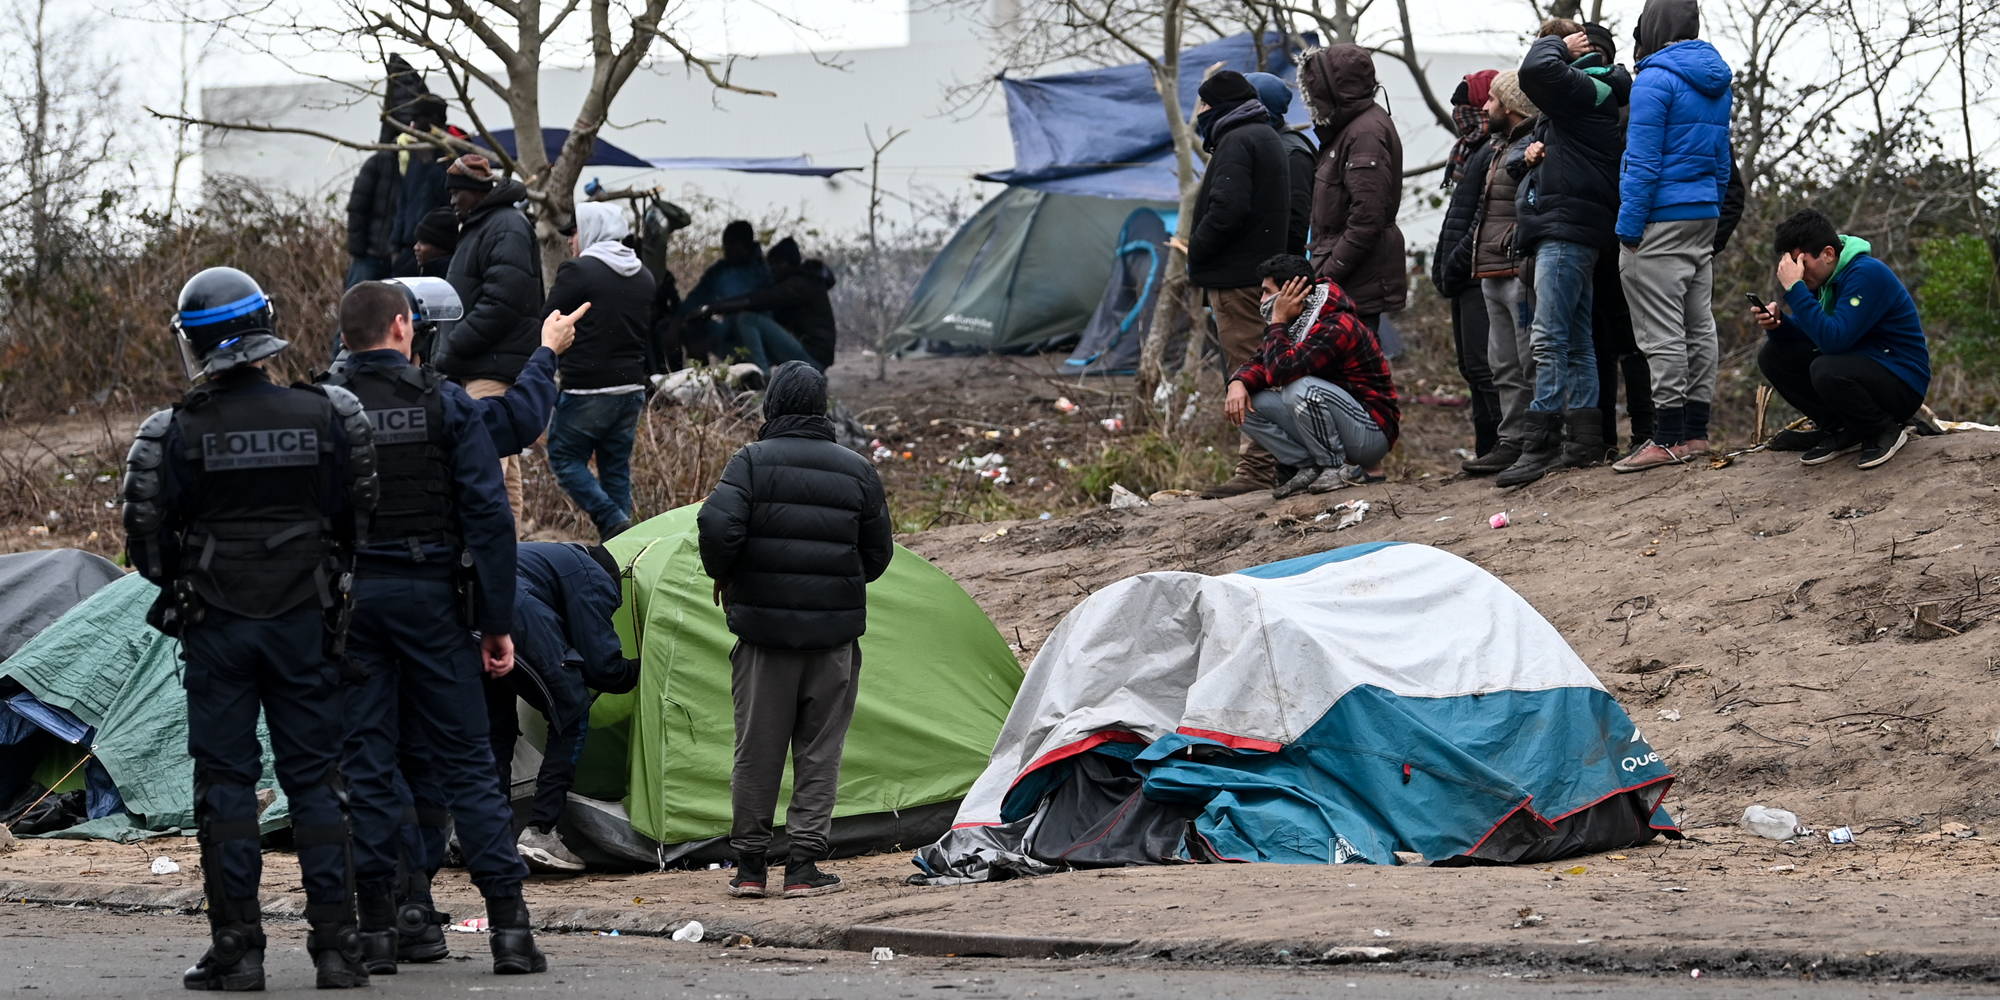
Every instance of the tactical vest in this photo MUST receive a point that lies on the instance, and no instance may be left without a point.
(405, 407)
(259, 540)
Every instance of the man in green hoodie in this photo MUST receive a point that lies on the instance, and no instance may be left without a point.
(1851, 355)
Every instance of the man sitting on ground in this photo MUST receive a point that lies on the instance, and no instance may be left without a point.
(1851, 355)
(1317, 395)
(790, 319)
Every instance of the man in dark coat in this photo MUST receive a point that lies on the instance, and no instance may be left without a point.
(497, 270)
(435, 240)
(1241, 218)
(420, 186)
(792, 536)
(565, 649)
(371, 216)
(1567, 203)
(740, 271)
(1451, 262)
(1300, 154)
(1359, 183)
(790, 319)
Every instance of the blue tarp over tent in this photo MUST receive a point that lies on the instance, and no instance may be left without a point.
(1102, 132)
(604, 154)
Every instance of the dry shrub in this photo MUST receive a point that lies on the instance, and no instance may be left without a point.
(97, 332)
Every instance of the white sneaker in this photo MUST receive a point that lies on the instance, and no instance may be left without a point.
(545, 852)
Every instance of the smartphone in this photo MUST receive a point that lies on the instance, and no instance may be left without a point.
(1757, 303)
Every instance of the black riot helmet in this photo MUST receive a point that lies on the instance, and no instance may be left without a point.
(225, 320)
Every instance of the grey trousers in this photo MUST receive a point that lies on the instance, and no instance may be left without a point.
(1509, 350)
(1670, 284)
(1313, 422)
(793, 701)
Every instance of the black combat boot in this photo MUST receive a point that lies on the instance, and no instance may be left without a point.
(512, 937)
(378, 933)
(334, 942)
(420, 933)
(235, 959)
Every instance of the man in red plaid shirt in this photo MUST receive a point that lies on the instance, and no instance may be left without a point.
(1317, 394)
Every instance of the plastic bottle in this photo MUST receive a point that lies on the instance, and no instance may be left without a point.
(1775, 824)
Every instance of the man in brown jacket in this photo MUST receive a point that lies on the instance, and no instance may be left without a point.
(1496, 262)
(1358, 185)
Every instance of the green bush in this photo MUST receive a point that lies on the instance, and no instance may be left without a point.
(1956, 301)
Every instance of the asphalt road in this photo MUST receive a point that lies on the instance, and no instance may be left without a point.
(69, 953)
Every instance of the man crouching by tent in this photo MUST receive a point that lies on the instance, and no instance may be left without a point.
(1317, 394)
(792, 536)
(565, 647)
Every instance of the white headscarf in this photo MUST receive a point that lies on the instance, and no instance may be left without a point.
(599, 227)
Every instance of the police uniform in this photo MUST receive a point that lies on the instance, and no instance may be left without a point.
(439, 565)
(243, 503)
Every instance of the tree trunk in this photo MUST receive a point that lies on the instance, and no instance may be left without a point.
(1166, 80)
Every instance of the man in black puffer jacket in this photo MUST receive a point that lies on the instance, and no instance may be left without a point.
(1241, 218)
(497, 270)
(792, 536)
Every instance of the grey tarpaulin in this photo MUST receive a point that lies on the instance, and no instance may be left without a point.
(37, 587)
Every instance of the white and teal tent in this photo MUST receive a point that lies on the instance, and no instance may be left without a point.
(1334, 708)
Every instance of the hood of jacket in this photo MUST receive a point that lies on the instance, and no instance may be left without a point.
(1850, 248)
(1695, 61)
(505, 194)
(818, 269)
(1219, 121)
(1338, 83)
(1664, 22)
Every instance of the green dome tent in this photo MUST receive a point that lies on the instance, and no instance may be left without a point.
(936, 683)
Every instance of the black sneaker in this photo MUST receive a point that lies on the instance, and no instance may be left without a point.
(1883, 446)
(1789, 440)
(749, 880)
(1833, 447)
(807, 880)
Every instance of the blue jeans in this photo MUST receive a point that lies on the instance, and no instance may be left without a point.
(602, 426)
(767, 343)
(1565, 361)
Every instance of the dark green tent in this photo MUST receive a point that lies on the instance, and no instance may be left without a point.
(1029, 268)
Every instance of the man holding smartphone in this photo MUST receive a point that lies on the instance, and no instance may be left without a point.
(1851, 355)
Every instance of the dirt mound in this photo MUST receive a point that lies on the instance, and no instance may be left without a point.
(1757, 621)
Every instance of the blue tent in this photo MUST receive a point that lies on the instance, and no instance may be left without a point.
(1102, 132)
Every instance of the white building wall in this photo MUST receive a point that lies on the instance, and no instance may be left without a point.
(820, 111)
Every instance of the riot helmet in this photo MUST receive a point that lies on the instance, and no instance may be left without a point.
(225, 320)
(434, 307)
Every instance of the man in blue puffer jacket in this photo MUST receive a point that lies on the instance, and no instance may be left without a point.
(1675, 176)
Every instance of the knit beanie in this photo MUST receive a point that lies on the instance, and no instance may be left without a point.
(470, 172)
(439, 228)
(1600, 36)
(1507, 88)
(1227, 87)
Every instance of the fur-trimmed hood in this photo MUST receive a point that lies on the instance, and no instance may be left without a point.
(1337, 83)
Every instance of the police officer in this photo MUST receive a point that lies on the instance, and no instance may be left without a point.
(438, 568)
(513, 420)
(244, 502)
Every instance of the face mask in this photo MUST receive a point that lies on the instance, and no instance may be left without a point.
(1266, 307)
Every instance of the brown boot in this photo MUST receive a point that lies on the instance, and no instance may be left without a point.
(1256, 470)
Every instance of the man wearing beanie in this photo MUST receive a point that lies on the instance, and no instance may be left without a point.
(792, 536)
(1676, 174)
(1241, 218)
(436, 240)
(1299, 156)
(790, 319)
(497, 270)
